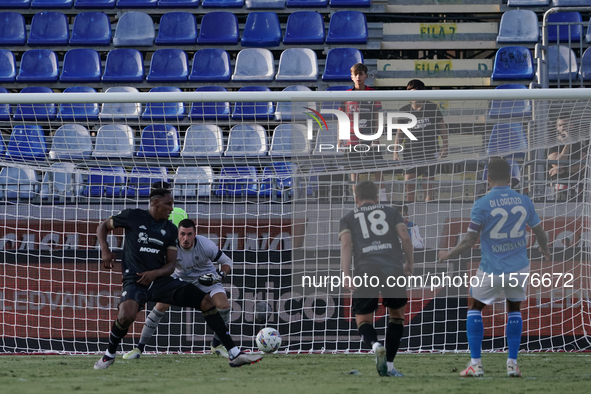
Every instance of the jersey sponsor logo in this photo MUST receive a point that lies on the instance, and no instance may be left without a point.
(149, 250)
(143, 238)
(374, 248)
(155, 241)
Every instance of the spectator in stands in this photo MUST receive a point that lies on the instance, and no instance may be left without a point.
(430, 126)
(413, 231)
(364, 150)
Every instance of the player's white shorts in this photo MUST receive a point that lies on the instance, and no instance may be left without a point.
(490, 287)
(211, 290)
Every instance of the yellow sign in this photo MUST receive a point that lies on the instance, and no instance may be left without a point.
(432, 66)
(437, 31)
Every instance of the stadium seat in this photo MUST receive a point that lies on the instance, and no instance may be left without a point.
(124, 65)
(327, 141)
(585, 71)
(15, 3)
(27, 142)
(177, 28)
(218, 28)
(164, 111)
(253, 110)
(159, 140)
(5, 113)
(61, 181)
(210, 110)
(52, 3)
(563, 31)
(134, 29)
(298, 64)
(306, 3)
(350, 3)
(13, 30)
(519, 26)
(238, 181)
(139, 186)
(49, 28)
(339, 62)
(290, 140)
(335, 104)
(513, 63)
(38, 65)
(508, 140)
(265, 4)
(7, 66)
(262, 29)
(168, 65)
(222, 3)
(91, 28)
(78, 112)
(562, 64)
(193, 182)
(35, 112)
(347, 27)
(81, 65)
(120, 110)
(101, 183)
(95, 4)
(571, 3)
(203, 140)
(254, 64)
(247, 140)
(18, 183)
(178, 3)
(277, 180)
(70, 142)
(510, 108)
(137, 3)
(211, 65)
(528, 3)
(304, 27)
(114, 141)
(288, 111)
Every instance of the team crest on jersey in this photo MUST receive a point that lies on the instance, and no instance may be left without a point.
(142, 237)
(163, 232)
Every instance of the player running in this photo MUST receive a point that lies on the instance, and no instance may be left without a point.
(372, 234)
(500, 218)
(194, 264)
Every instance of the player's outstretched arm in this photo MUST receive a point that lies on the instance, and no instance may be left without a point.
(466, 244)
(107, 256)
(542, 238)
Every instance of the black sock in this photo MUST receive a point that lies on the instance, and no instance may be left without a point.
(115, 336)
(215, 321)
(368, 333)
(393, 337)
(215, 342)
(141, 346)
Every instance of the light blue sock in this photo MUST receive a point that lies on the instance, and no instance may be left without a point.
(514, 329)
(475, 332)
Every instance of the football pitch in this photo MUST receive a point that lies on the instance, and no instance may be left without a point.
(284, 374)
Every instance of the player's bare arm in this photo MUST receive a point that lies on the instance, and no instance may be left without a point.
(146, 278)
(542, 238)
(466, 244)
(346, 255)
(407, 247)
(107, 256)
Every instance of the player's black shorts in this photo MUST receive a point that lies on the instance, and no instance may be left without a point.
(428, 171)
(161, 290)
(363, 306)
(365, 297)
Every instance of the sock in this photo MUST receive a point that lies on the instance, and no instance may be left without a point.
(511, 361)
(390, 365)
(393, 337)
(216, 323)
(368, 333)
(513, 332)
(226, 316)
(115, 336)
(150, 326)
(475, 332)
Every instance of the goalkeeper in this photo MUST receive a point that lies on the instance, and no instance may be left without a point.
(194, 264)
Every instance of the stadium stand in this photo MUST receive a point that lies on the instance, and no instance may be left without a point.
(290, 140)
(238, 181)
(164, 111)
(61, 182)
(134, 29)
(262, 29)
(78, 112)
(288, 111)
(18, 183)
(177, 28)
(114, 141)
(70, 142)
(137, 3)
(81, 65)
(5, 113)
(159, 140)
(510, 108)
(211, 65)
(52, 3)
(124, 65)
(203, 140)
(304, 27)
(210, 111)
(169, 65)
(15, 3)
(298, 64)
(347, 27)
(519, 26)
(49, 28)
(27, 142)
(38, 65)
(253, 110)
(585, 71)
(306, 3)
(192, 182)
(101, 183)
(338, 64)
(247, 140)
(562, 63)
(277, 180)
(564, 32)
(528, 3)
(140, 186)
(13, 30)
(35, 112)
(7, 66)
(265, 4)
(95, 4)
(178, 3)
(91, 28)
(219, 28)
(505, 138)
(513, 63)
(571, 3)
(254, 64)
(327, 141)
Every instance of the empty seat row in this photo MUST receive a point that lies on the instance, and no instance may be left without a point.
(522, 26)
(172, 65)
(136, 28)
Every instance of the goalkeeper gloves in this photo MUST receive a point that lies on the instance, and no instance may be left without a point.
(212, 278)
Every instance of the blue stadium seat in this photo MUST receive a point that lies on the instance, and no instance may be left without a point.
(350, 3)
(52, 3)
(7, 66)
(508, 140)
(528, 3)
(164, 111)
(13, 30)
(35, 112)
(562, 33)
(510, 108)
(222, 3)
(134, 29)
(178, 3)
(49, 28)
(513, 63)
(571, 3)
(253, 110)
(5, 113)
(265, 4)
(298, 64)
(102, 184)
(347, 27)
(202, 140)
(585, 71)
(27, 142)
(287, 111)
(70, 142)
(168, 65)
(81, 65)
(177, 28)
(327, 141)
(124, 65)
(290, 140)
(254, 64)
(193, 182)
(335, 104)
(38, 65)
(15, 3)
(304, 27)
(120, 110)
(306, 3)
(247, 140)
(61, 181)
(78, 112)
(95, 3)
(159, 140)
(114, 141)
(238, 181)
(519, 26)
(339, 62)
(562, 64)
(18, 183)
(137, 3)
(262, 29)
(277, 180)
(211, 65)
(210, 110)
(91, 28)
(218, 28)
(139, 186)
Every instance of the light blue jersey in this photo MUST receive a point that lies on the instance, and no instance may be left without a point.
(501, 216)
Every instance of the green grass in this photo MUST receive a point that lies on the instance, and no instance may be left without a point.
(285, 374)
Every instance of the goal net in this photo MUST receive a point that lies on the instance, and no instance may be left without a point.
(268, 181)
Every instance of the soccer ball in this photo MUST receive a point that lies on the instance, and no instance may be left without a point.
(268, 340)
